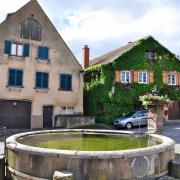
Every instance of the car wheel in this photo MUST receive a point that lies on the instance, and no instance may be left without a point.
(129, 125)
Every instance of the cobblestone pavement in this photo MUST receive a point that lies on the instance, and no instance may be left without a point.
(167, 178)
(1, 148)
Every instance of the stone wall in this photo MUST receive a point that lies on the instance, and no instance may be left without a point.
(71, 121)
(146, 163)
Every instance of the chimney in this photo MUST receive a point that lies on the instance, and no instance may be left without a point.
(85, 56)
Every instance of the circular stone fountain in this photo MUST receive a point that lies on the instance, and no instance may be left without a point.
(39, 154)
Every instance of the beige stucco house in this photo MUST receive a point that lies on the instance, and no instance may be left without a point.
(39, 75)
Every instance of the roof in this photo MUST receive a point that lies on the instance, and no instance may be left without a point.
(111, 56)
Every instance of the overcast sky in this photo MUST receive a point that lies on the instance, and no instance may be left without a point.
(105, 25)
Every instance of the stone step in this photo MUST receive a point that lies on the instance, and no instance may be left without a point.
(174, 168)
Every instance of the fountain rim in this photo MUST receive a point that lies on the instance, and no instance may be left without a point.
(11, 143)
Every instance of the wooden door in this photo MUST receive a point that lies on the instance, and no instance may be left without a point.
(174, 113)
(47, 116)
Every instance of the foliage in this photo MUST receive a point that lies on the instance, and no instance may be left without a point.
(148, 99)
(105, 106)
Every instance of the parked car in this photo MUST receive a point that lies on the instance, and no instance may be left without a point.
(133, 118)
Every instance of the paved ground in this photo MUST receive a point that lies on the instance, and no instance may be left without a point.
(171, 130)
(1, 148)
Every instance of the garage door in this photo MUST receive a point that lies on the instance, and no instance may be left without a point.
(15, 114)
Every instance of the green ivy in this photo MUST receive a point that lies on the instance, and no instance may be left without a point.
(98, 99)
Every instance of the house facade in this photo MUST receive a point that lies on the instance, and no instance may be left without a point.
(115, 80)
(40, 77)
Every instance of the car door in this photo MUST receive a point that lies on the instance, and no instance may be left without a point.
(137, 118)
(144, 117)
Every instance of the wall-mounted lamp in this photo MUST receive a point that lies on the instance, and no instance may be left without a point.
(14, 103)
(113, 88)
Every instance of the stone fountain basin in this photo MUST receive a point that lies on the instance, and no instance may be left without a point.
(29, 162)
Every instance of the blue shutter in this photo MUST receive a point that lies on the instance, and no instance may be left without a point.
(43, 52)
(15, 77)
(45, 80)
(69, 82)
(11, 81)
(46, 53)
(63, 82)
(18, 78)
(38, 79)
(39, 52)
(26, 50)
(7, 47)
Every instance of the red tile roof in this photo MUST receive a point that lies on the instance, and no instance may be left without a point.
(111, 56)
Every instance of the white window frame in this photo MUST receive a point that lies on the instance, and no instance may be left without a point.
(170, 79)
(142, 73)
(67, 110)
(16, 49)
(126, 74)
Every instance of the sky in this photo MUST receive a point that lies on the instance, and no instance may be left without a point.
(105, 25)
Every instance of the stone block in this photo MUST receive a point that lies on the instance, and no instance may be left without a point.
(174, 168)
(63, 175)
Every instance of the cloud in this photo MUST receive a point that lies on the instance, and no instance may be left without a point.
(105, 25)
(96, 27)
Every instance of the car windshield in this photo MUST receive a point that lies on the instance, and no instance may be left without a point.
(129, 114)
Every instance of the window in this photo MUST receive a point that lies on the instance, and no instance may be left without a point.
(67, 110)
(142, 77)
(16, 49)
(125, 76)
(42, 80)
(171, 79)
(43, 52)
(65, 82)
(31, 29)
(15, 77)
(141, 114)
(150, 54)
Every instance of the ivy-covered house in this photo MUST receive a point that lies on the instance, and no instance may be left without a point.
(114, 81)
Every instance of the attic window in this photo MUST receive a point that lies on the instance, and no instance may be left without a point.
(31, 29)
(150, 54)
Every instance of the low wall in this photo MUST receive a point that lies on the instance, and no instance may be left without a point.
(144, 163)
(2, 167)
(72, 121)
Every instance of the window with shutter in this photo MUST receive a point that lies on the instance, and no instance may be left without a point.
(26, 50)
(164, 77)
(125, 76)
(7, 47)
(117, 76)
(16, 49)
(171, 79)
(15, 77)
(42, 80)
(142, 77)
(65, 82)
(43, 52)
(151, 76)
